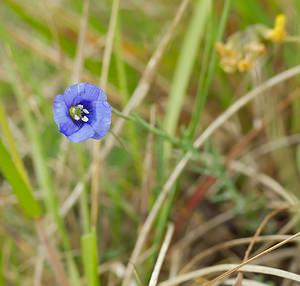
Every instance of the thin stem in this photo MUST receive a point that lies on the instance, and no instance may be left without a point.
(52, 255)
(103, 83)
(161, 256)
(79, 59)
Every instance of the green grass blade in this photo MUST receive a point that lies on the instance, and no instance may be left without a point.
(20, 187)
(123, 84)
(185, 64)
(84, 201)
(72, 271)
(7, 134)
(203, 89)
(90, 259)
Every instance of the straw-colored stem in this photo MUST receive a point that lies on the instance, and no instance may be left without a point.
(79, 59)
(161, 256)
(103, 83)
(52, 255)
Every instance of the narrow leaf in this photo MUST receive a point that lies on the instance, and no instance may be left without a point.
(20, 187)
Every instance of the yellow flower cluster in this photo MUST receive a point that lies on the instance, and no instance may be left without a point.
(232, 60)
(245, 48)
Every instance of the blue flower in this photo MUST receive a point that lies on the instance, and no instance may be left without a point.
(82, 112)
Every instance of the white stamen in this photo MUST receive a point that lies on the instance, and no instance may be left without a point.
(73, 110)
(80, 106)
(76, 117)
(84, 119)
(85, 111)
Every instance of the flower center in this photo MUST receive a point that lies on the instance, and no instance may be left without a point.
(78, 112)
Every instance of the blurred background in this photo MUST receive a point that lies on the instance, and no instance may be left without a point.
(200, 168)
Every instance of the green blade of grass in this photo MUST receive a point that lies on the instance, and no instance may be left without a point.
(90, 259)
(185, 63)
(20, 187)
(7, 134)
(84, 201)
(204, 83)
(122, 78)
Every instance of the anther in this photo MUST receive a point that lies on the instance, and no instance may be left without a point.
(76, 117)
(84, 119)
(80, 106)
(85, 111)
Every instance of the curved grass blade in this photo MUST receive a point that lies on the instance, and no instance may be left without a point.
(20, 187)
(7, 134)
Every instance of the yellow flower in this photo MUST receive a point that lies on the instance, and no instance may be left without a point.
(278, 33)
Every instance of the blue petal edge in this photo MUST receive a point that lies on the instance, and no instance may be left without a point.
(84, 133)
(103, 118)
(61, 117)
(83, 91)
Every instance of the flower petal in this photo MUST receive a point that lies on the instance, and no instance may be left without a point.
(102, 118)
(72, 93)
(84, 133)
(61, 116)
(92, 93)
(59, 108)
(83, 91)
